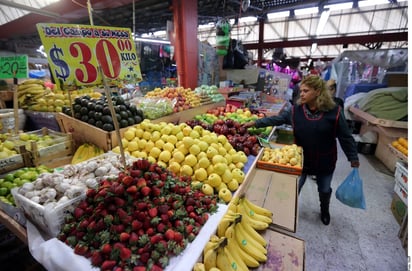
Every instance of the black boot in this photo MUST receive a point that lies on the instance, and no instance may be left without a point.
(324, 207)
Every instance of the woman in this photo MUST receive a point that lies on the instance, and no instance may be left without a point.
(331, 84)
(317, 121)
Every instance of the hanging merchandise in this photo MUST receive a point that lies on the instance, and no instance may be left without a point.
(222, 36)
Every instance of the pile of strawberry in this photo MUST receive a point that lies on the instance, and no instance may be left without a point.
(137, 221)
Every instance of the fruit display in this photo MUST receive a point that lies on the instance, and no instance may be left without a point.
(85, 152)
(183, 98)
(210, 91)
(34, 94)
(290, 155)
(17, 179)
(154, 108)
(41, 138)
(96, 112)
(237, 135)
(401, 144)
(137, 221)
(7, 149)
(208, 158)
(238, 244)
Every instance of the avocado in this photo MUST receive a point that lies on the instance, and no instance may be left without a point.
(123, 123)
(108, 127)
(107, 119)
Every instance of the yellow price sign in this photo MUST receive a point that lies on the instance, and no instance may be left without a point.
(76, 51)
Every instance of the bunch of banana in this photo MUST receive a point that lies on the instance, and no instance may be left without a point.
(258, 217)
(29, 91)
(85, 152)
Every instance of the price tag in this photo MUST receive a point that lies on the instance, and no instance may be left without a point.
(14, 67)
(75, 52)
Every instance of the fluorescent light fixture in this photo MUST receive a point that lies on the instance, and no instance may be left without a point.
(209, 25)
(313, 48)
(146, 35)
(159, 33)
(306, 11)
(322, 21)
(281, 14)
(152, 40)
(232, 21)
(368, 3)
(339, 6)
(248, 19)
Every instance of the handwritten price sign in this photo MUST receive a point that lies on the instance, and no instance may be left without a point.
(76, 51)
(13, 67)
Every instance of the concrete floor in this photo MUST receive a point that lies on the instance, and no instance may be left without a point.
(355, 239)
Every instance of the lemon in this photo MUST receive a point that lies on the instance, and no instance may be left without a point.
(225, 194)
(203, 162)
(148, 147)
(159, 143)
(188, 141)
(227, 176)
(168, 147)
(139, 133)
(233, 185)
(147, 135)
(172, 139)
(222, 139)
(217, 159)
(200, 174)
(194, 149)
(211, 152)
(190, 160)
(207, 189)
(155, 152)
(203, 145)
(186, 170)
(155, 136)
(174, 167)
(132, 146)
(214, 180)
(178, 156)
(165, 156)
(194, 134)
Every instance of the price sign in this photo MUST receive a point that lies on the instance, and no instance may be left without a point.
(76, 51)
(14, 67)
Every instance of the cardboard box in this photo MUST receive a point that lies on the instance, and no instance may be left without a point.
(400, 191)
(277, 192)
(285, 252)
(401, 175)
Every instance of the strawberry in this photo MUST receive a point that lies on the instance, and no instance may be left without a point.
(127, 180)
(142, 164)
(156, 268)
(164, 217)
(156, 191)
(145, 191)
(108, 265)
(139, 268)
(124, 237)
(161, 227)
(78, 213)
(81, 249)
(125, 253)
(91, 193)
(136, 225)
(141, 205)
(132, 189)
(190, 208)
(135, 173)
(106, 249)
(153, 212)
(96, 258)
(119, 190)
(141, 182)
(170, 234)
(144, 257)
(121, 213)
(163, 208)
(150, 231)
(134, 238)
(119, 202)
(156, 238)
(178, 237)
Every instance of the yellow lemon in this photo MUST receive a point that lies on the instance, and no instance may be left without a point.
(178, 156)
(200, 174)
(190, 160)
(129, 134)
(186, 170)
(207, 189)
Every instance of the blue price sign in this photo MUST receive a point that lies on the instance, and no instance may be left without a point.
(14, 67)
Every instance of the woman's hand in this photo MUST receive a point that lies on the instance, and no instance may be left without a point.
(249, 124)
(354, 163)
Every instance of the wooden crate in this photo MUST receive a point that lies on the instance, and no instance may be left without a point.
(20, 160)
(61, 147)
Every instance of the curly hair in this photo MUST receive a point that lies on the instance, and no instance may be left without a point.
(324, 101)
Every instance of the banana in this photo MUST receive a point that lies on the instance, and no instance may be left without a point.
(227, 219)
(253, 233)
(235, 261)
(245, 257)
(222, 261)
(210, 259)
(254, 215)
(254, 223)
(199, 267)
(210, 245)
(256, 208)
(32, 81)
(250, 246)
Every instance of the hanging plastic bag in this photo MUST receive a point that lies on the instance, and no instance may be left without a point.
(350, 191)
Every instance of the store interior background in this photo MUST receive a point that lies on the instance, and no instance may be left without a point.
(365, 42)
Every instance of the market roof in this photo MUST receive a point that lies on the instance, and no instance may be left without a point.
(364, 25)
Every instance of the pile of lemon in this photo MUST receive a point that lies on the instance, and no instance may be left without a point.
(401, 144)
